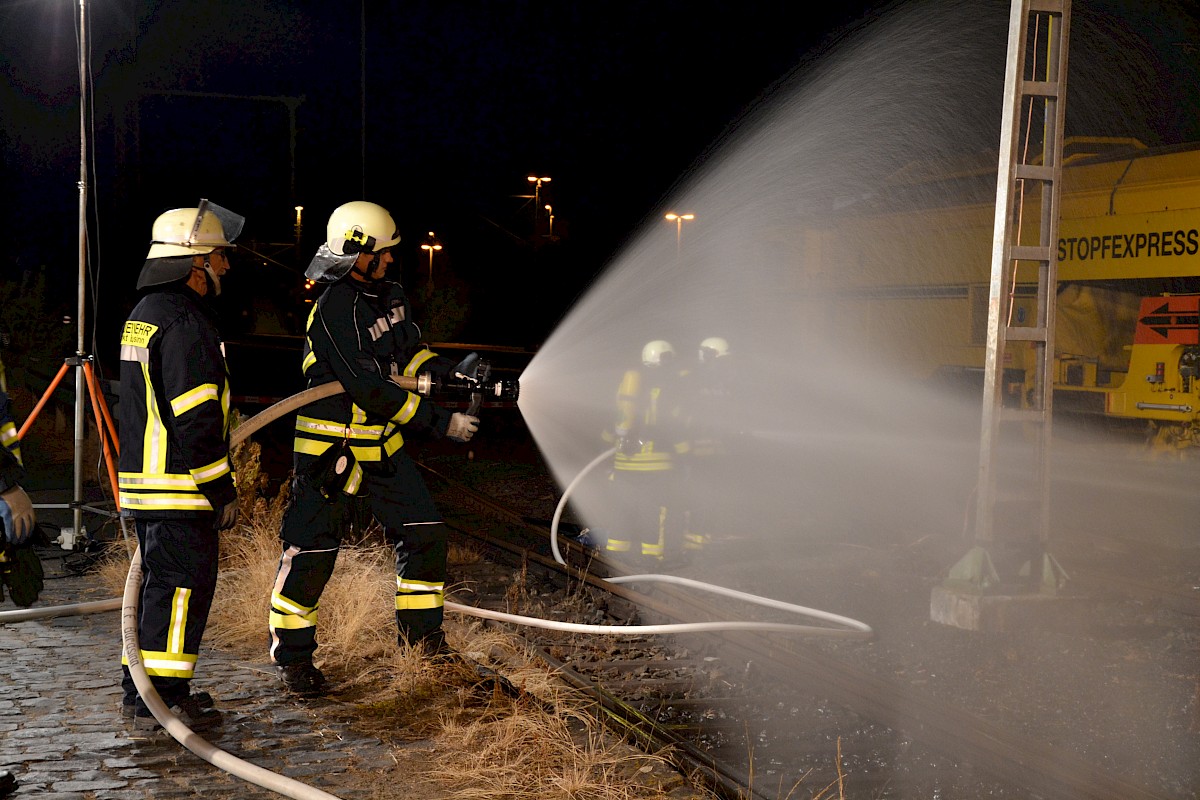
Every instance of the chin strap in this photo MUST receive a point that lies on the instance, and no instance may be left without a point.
(214, 280)
(363, 276)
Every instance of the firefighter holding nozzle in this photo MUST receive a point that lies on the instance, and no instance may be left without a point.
(349, 448)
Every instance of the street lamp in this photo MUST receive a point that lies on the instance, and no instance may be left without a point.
(678, 220)
(431, 245)
(537, 194)
(550, 211)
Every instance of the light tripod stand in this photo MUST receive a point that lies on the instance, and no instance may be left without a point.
(105, 428)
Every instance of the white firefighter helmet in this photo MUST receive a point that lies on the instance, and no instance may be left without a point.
(654, 352)
(355, 227)
(194, 231)
(713, 347)
(181, 233)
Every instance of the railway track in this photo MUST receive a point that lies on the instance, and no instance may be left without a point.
(751, 715)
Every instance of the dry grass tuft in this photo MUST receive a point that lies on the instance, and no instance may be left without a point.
(523, 751)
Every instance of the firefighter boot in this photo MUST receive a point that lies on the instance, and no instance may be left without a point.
(302, 679)
(187, 709)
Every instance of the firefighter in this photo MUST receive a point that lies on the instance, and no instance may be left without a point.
(175, 476)
(647, 443)
(707, 414)
(20, 569)
(349, 447)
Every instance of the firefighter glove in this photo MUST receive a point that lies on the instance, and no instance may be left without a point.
(17, 511)
(462, 427)
(21, 572)
(228, 515)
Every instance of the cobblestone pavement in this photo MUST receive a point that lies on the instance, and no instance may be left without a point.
(62, 735)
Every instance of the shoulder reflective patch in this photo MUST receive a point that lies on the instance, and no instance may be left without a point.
(137, 334)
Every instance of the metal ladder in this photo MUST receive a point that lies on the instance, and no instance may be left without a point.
(1035, 85)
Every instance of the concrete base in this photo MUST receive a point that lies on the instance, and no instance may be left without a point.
(998, 613)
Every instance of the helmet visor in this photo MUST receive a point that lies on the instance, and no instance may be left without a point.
(231, 225)
(327, 266)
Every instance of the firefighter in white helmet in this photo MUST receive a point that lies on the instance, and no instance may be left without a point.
(647, 441)
(349, 447)
(708, 415)
(175, 475)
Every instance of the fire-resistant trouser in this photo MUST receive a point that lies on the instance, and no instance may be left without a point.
(179, 576)
(312, 531)
(643, 517)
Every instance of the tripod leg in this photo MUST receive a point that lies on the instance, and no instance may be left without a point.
(45, 397)
(108, 420)
(94, 393)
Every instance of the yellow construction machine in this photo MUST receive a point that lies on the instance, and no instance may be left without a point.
(905, 274)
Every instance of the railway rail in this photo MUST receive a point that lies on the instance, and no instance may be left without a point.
(750, 715)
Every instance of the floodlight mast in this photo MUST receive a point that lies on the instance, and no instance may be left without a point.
(80, 386)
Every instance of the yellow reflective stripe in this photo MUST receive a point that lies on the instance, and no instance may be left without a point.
(341, 430)
(309, 360)
(167, 665)
(290, 606)
(167, 669)
(393, 444)
(414, 585)
(354, 482)
(190, 399)
(225, 403)
(212, 471)
(635, 466)
(179, 612)
(416, 602)
(9, 440)
(292, 622)
(420, 358)
(165, 502)
(154, 441)
(652, 549)
(618, 546)
(366, 453)
(142, 480)
(182, 658)
(408, 409)
(310, 447)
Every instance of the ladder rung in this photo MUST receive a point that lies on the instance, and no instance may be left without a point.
(1046, 6)
(1035, 172)
(1041, 88)
(1025, 334)
(1029, 253)
(1021, 415)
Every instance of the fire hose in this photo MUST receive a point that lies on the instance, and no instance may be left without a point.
(476, 383)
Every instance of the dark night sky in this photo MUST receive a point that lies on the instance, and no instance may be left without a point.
(615, 101)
